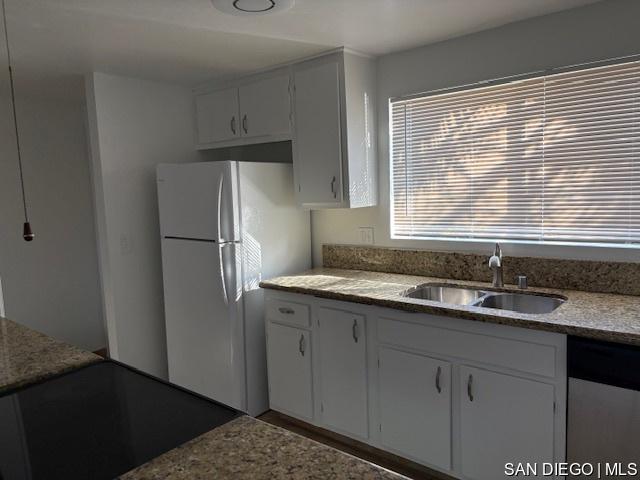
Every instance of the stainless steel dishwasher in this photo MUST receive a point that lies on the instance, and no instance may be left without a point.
(604, 404)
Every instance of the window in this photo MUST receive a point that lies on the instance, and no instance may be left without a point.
(549, 159)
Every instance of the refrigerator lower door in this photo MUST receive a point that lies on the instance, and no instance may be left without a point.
(204, 319)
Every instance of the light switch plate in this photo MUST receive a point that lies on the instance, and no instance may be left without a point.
(366, 235)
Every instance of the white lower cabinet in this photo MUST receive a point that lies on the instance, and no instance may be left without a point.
(343, 363)
(289, 368)
(458, 396)
(415, 406)
(503, 419)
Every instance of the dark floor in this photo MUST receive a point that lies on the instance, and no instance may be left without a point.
(353, 447)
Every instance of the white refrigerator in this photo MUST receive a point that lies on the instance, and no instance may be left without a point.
(225, 226)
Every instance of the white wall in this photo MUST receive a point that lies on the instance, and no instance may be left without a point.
(50, 284)
(134, 125)
(600, 31)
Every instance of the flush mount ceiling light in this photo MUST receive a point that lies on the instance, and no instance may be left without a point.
(252, 7)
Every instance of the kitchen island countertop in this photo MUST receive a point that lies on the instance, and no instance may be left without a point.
(27, 356)
(245, 448)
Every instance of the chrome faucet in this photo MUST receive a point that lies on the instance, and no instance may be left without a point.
(495, 264)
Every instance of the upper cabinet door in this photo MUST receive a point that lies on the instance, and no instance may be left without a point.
(317, 139)
(503, 419)
(217, 116)
(265, 107)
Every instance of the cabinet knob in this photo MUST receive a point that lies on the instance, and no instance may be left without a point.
(438, 374)
(301, 345)
(470, 388)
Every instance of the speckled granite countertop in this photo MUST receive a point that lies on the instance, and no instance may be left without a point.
(27, 356)
(596, 315)
(246, 448)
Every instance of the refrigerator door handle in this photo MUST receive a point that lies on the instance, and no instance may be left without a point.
(220, 187)
(225, 295)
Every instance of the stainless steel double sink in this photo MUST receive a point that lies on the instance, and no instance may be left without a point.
(478, 297)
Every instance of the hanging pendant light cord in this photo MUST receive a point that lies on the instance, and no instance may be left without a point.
(15, 122)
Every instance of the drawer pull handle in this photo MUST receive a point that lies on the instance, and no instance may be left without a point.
(233, 125)
(438, 387)
(301, 345)
(333, 187)
(354, 331)
(286, 310)
(470, 388)
(244, 124)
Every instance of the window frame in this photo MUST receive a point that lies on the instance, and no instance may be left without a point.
(613, 246)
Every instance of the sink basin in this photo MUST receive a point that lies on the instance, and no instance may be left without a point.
(445, 294)
(458, 295)
(521, 302)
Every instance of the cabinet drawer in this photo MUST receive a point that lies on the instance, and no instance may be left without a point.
(508, 353)
(288, 312)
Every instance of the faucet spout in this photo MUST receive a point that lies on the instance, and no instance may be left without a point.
(495, 264)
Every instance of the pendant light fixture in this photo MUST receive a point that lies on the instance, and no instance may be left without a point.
(27, 233)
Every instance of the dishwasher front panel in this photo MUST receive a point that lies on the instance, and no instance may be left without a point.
(603, 417)
(603, 423)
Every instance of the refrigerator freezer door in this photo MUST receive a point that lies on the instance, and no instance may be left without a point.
(203, 319)
(198, 200)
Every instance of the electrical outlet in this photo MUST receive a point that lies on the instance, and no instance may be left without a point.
(366, 235)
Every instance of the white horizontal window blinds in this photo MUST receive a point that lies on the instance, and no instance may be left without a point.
(553, 158)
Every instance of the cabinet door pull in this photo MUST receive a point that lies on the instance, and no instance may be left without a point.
(244, 124)
(354, 331)
(470, 388)
(301, 345)
(438, 387)
(286, 310)
(233, 124)
(333, 187)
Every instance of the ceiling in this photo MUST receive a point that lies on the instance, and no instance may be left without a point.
(188, 42)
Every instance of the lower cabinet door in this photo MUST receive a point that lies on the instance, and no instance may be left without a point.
(289, 367)
(415, 406)
(504, 419)
(343, 372)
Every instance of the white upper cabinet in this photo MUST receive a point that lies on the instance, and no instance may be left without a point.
(217, 116)
(265, 107)
(325, 106)
(254, 110)
(318, 140)
(334, 151)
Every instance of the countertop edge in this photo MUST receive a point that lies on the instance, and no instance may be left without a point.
(450, 311)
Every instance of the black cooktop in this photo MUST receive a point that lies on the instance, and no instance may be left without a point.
(98, 422)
